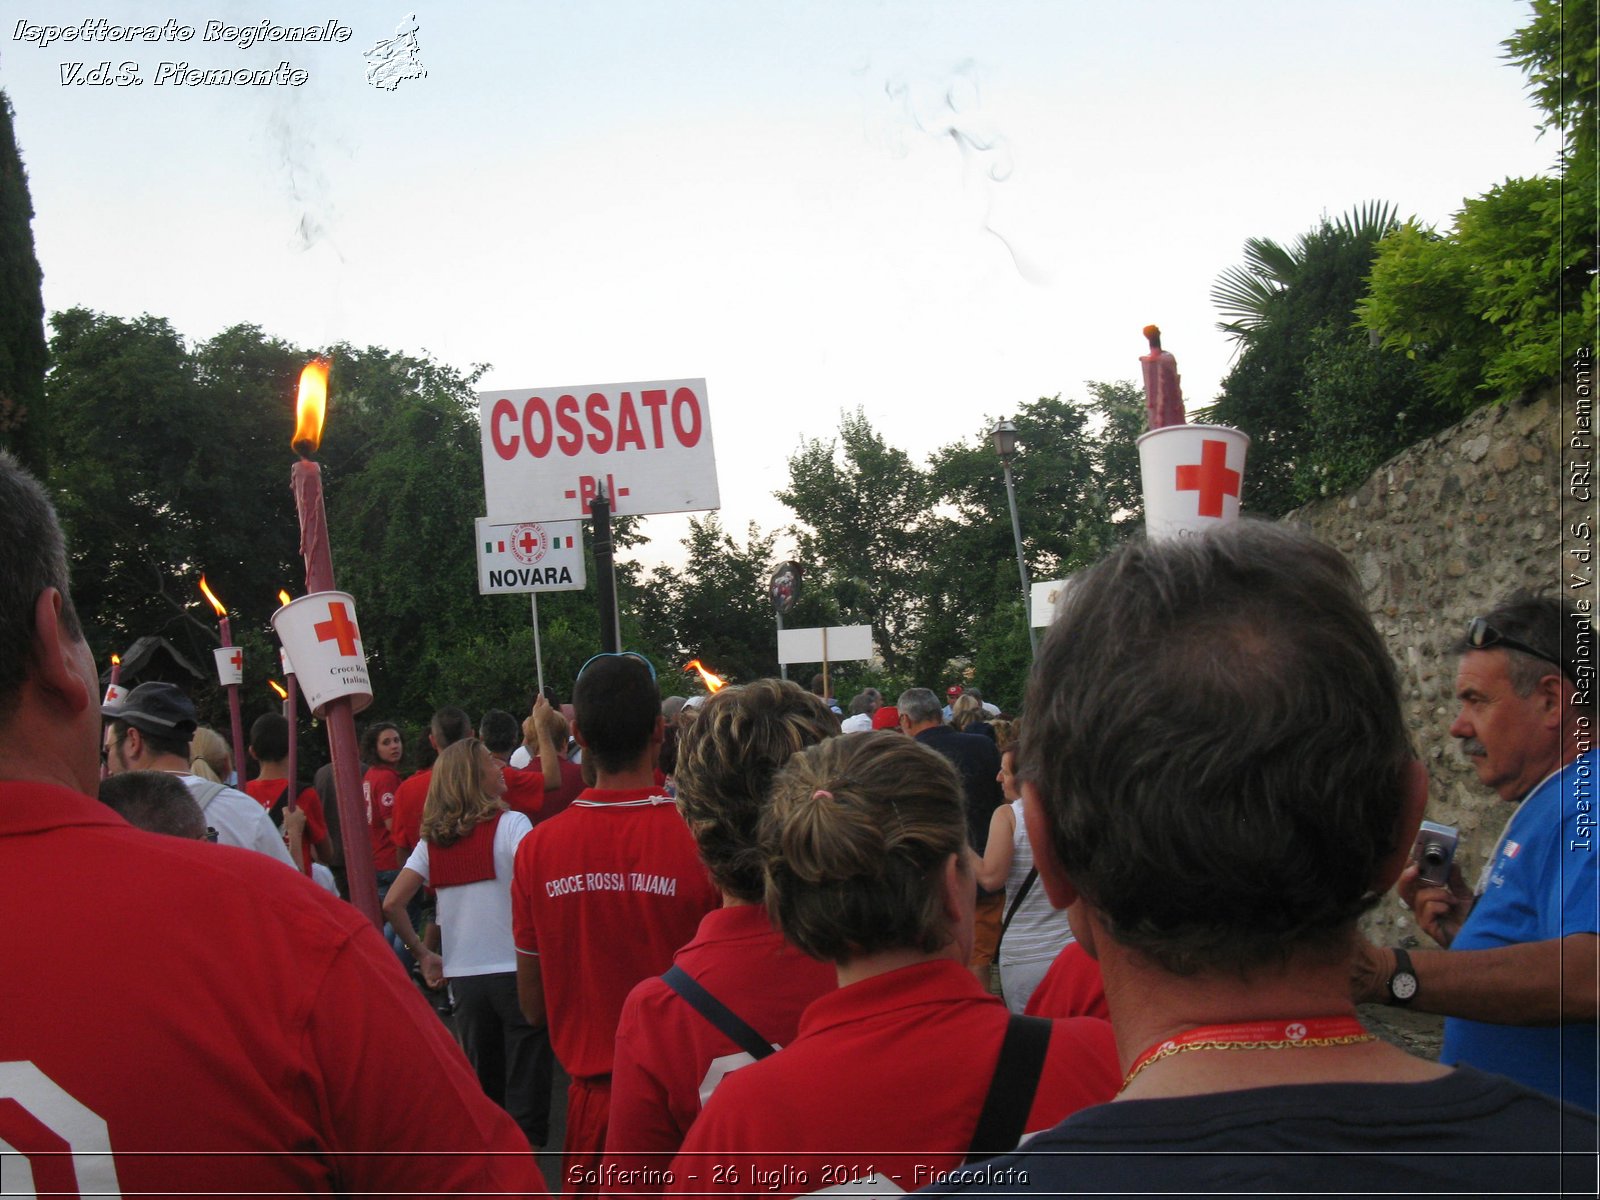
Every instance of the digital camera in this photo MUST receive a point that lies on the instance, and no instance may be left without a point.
(1434, 851)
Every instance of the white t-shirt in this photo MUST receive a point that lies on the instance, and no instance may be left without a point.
(238, 819)
(476, 917)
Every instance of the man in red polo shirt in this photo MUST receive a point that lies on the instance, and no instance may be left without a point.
(602, 896)
(250, 1045)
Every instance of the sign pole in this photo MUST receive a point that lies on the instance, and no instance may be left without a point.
(605, 582)
(538, 654)
(826, 686)
(783, 667)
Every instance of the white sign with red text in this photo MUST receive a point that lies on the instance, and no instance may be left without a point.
(548, 451)
(530, 556)
(319, 632)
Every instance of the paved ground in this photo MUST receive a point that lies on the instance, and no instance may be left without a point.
(1420, 1033)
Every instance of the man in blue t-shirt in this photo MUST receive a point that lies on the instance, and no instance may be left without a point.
(1518, 980)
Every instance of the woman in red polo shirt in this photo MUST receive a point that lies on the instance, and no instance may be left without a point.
(867, 865)
(467, 852)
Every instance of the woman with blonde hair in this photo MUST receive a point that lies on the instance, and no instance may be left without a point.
(467, 854)
(209, 755)
(967, 716)
(898, 1075)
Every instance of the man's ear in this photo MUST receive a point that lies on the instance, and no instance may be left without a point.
(1036, 814)
(1412, 805)
(132, 745)
(577, 734)
(55, 654)
(659, 733)
(1552, 693)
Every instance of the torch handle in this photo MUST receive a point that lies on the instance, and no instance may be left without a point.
(291, 713)
(305, 479)
(237, 718)
(359, 872)
(225, 628)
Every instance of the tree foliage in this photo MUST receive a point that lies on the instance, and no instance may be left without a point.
(866, 529)
(22, 341)
(1487, 307)
(715, 609)
(932, 546)
(168, 461)
(1323, 406)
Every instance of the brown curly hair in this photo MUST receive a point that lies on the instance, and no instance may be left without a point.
(727, 757)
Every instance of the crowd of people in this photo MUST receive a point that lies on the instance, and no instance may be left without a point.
(1107, 945)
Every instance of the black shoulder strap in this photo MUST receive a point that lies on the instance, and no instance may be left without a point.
(713, 1010)
(1003, 1120)
(1016, 903)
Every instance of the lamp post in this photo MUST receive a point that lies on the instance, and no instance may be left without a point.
(1005, 445)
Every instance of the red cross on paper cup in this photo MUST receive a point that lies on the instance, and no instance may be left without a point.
(1193, 477)
(322, 637)
(230, 665)
(115, 694)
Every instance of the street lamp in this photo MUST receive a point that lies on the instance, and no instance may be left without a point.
(1005, 445)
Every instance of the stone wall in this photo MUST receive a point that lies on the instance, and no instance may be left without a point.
(1437, 534)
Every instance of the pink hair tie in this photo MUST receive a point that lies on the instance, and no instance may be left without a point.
(822, 794)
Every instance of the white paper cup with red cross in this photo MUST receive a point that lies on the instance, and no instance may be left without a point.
(1193, 475)
(320, 634)
(230, 665)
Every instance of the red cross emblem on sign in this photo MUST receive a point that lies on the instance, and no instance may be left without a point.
(338, 628)
(528, 543)
(237, 660)
(1211, 477)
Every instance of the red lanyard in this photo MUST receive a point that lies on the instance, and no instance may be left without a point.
(1256, 1035)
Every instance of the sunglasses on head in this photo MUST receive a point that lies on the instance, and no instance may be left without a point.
(1483, 636)
(619, 654)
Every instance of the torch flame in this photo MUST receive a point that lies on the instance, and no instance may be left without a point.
(283, 596)
(211, 596)
(714, 683)
(282, 695)
(311, 407)
(116, 661)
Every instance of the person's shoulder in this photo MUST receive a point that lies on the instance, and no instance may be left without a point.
(648, 1001)
(216, 884)
(244, 804)
(514, 826)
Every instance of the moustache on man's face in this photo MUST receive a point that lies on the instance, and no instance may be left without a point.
(1473, 748)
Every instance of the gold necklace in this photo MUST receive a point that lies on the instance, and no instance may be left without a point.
(1310, 1033)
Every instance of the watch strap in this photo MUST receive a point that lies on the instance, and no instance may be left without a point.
(1402, 968)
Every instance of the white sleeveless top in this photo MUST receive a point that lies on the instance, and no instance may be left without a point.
(1038, 931)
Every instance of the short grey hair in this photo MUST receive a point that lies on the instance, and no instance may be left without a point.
(918, 705)
(1214, 728)
(1549, 624)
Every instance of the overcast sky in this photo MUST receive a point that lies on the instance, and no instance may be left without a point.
(934, 210)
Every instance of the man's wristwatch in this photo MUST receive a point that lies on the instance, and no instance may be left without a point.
(1403, 983)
